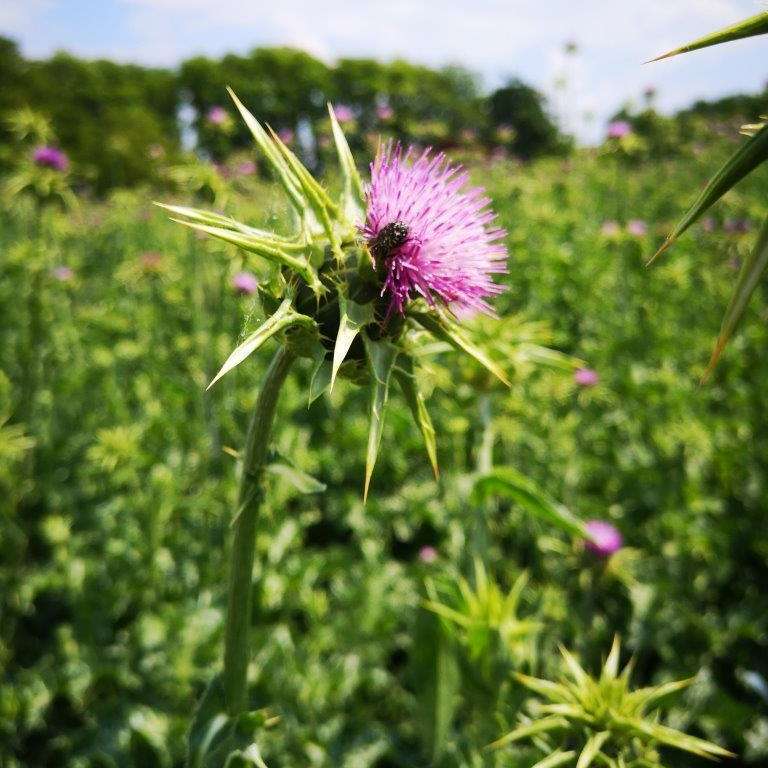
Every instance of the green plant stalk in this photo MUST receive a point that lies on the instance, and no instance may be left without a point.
(236, 641)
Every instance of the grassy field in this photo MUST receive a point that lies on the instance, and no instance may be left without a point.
(117, 485)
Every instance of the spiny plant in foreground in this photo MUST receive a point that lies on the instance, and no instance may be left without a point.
(601, 720)
(749, 156)
(354, 289)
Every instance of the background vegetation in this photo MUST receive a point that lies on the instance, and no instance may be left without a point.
(117, 481)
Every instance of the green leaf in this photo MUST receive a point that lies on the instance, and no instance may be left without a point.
(317, 198)
(352, 320)
(750, 154)
(285, 176)
(301, 481)
(283, 318)
(754, 25)
(645, 697)
(353, 195)
(544, 725)
(381, 360)
(247, 758)
(546, 688)
(267, 249)
(448, 330)
(591, 748)
(675, 738)
(510, 483)
(751, 271)
(209, 724)
(407, 381)
(577, 671)
(611, 666)
(320, 378)
(437, 682)
(557, 758)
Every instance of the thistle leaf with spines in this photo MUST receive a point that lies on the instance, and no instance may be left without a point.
(381, 360)
(353, 318)
(353, 193)
(285, 317)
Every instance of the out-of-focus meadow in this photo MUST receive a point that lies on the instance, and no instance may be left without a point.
(118, 481)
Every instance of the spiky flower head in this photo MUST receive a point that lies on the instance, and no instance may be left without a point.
(245, 283)
(603, 539)
(600, 720)
(50, 157)
(363, 275)
(430, 234)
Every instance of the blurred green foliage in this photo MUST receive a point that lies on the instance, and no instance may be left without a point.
(118, 487)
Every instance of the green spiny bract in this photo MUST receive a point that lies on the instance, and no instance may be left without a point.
(326, 300)
(601, 720)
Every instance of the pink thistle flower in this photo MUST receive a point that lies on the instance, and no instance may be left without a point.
(637, 228)
(429, 235)
(428, 554)
(62, 273)
(50, 157)
(344, 113)
(217, 115)
(604, 538)
(618, 129)
(586, 377)
(285, 135)
(151, 262)
(246, 168)
(384, 112)
(610, 228)
(245, 283)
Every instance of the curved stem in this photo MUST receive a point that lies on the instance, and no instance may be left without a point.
(236, 646)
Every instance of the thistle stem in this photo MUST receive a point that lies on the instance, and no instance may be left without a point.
(236, 645)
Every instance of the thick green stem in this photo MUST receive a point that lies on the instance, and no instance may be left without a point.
(236, 648)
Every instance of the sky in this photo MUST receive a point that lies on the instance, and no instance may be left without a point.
(497, 39)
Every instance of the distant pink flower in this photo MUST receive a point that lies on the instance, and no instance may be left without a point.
(586, 377)
(245, 283)
(604, 538)
(63, 273)
(50, 157)
(285, 135)
(736, 226)
(610, 228)
(246, 168)
(618, 129)
(217, 116)
(708, 224)
(151, 261)
(384, 112)
(344, 113)
(637, 228)
(429, 235)
(428, 554)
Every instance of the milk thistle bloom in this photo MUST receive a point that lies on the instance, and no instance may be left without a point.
(603, 539)
(245, 283)
(618, 129)
(429, 235)
(50, 157)
(586, 377)
(352, 289)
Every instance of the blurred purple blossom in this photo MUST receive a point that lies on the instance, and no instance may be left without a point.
(637, 228)
(384, 112)
(286, 135)
(51, 157)
(344, 113)
(217, 115)
(586, 377)
(610, 228)
(246, 168)
(245, 283)
(708, 224)
(618, 129)
(604, 539)
(62, 273)
(428, 554)
(737, 226)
